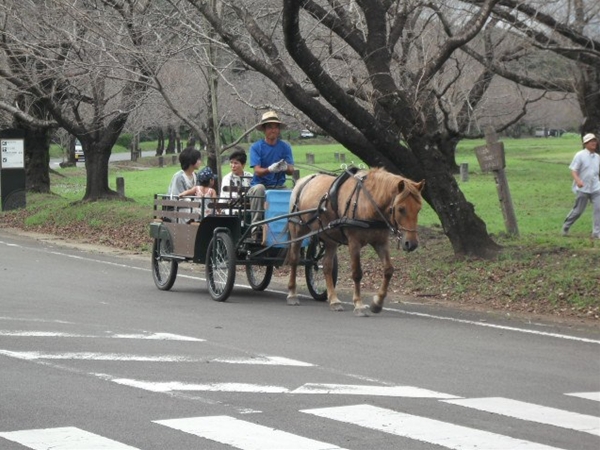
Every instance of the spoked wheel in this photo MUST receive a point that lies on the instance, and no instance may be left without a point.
(164, 271)
(315, 278)
(220, 267)
(259, 277)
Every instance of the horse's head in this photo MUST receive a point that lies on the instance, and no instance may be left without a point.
(404, 212)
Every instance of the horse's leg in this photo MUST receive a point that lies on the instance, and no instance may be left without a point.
(357, 273)
(293, 257)
(334, 302)
(383, 250)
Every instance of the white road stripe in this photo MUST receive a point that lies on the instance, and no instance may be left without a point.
(214, 387)
(265, 360)
(90, 356)
(244, 435)
(533, 413)
(494, 326)
(423, 429)
(66, 438)
(595, 396)
(153, 336)
(94, 356)
(387, 391)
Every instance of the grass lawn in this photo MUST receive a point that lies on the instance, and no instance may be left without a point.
(538, 272)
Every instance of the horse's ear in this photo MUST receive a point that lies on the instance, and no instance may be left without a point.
(401, 185)
(420, 185)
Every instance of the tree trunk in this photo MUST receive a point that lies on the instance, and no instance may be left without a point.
(97, 158)
(160, 142)
(588, 95)
(170, 150)
(37, 160)
(465, 230)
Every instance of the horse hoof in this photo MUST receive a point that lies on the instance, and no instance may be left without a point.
(336, 306)
(361, 312)
(375, 308)
(293, 301)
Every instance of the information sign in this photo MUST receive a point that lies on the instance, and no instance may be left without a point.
(491, 156)
(13, 153)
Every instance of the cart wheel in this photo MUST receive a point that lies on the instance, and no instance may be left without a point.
(220, 267)
(315, 279)
(164, 271)
(259, 277)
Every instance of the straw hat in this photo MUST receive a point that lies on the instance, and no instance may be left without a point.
(269, 117)
(589, 137)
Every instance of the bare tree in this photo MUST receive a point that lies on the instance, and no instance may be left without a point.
(78, 60)
(555, 48)
(368, 73)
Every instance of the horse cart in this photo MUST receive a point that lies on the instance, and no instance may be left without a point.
(225, 239)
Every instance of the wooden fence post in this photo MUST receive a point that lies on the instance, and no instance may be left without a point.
(464, 171)
(121, 186)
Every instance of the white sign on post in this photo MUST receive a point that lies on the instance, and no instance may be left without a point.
(13, 153)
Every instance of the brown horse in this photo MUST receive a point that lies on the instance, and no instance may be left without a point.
(358, 208)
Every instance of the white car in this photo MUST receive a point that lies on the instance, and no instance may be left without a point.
(306, 134)
(79, 156)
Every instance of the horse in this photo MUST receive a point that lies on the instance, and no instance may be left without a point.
(357, 208)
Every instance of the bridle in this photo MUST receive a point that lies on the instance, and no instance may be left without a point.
(395, 228)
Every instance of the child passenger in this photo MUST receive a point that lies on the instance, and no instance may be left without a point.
(203, 190)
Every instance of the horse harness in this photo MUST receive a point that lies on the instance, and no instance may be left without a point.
(345, 219)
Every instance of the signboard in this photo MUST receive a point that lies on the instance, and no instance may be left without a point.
(491, 157)
(13, 153)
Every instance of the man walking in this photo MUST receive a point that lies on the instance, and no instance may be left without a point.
(585, 169)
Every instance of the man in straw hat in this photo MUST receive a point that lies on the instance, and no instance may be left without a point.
(271, 158)
(585, 169)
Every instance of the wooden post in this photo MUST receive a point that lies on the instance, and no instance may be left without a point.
(342, 157)
(464, 171)
(310, 158)
(336, 157)
(161, 161)
(510, 219)
(121, 186)
(174, 159)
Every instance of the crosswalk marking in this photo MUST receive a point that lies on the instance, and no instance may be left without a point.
(423, 429)
(93, 356)
(533, 413)
(265, 360)
(65, 438)
(150, 336)
(595, 396)
(352, 389)
(244, 435)
(212, 387)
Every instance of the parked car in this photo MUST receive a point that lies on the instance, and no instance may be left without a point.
(79, 156)
(549, 132)
(556, 132)
(306, 134)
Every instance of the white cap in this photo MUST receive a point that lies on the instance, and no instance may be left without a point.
(589, 137)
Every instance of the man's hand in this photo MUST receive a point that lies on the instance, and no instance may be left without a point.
(280, 166)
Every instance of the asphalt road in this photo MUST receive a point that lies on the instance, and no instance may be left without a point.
(126, 156)
(93, 356)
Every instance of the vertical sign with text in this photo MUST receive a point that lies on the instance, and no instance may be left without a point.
(13, 153)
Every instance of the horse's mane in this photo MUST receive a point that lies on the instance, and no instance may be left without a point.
(383, 187)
